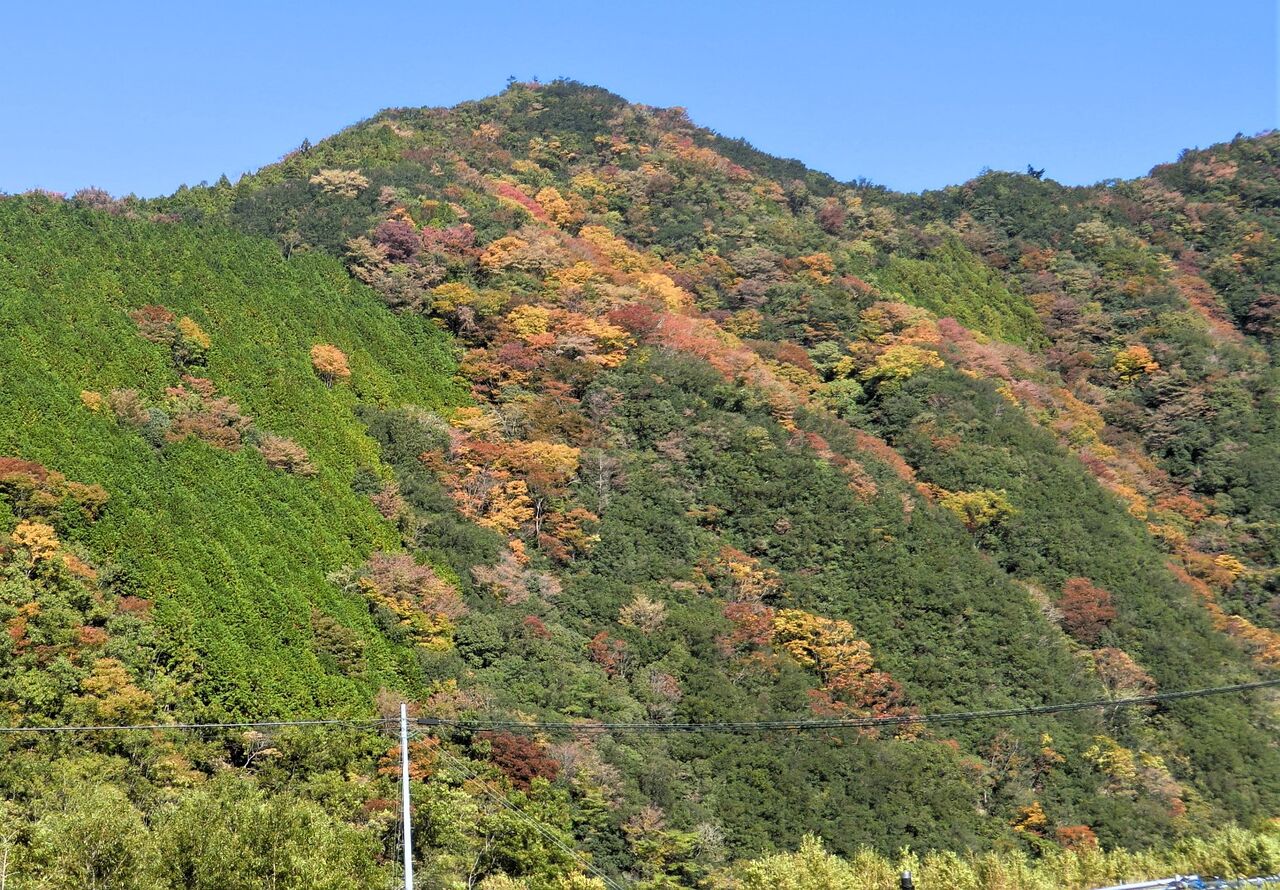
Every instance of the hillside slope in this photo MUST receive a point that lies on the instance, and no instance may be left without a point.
(233, 552)
(741, 443)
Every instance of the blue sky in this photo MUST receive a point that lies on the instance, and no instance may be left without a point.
(141, 97)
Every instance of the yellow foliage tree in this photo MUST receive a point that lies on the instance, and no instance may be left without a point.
(1030, 819)
(655, 284)
(622, 256)
(744, 323)
(902, 361)
(828, 645)
(529, 321)
(37, 538)
(453, 298)
(502, 252)
(558, 209)
(111, 693)
(1116, 762)
(555, 461)
(509, 507)
(577, 275)
(94, 401)
(1133, 362)
(193, 334)
(818, 267)
(978, 509)
(1230, 564)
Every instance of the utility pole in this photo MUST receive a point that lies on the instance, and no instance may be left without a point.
(404, 796)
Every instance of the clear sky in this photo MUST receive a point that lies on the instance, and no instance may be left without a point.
(143, 96)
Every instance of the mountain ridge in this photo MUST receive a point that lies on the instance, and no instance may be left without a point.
(735, 446)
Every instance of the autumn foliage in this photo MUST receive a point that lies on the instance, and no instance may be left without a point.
(330, 363)
(422, 602)
(520, 758)
(732, 440)
(1086, 609)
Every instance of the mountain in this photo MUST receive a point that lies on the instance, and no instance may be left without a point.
(554, 408)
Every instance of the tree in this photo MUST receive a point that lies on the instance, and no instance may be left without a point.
(341, 183)
(1076, 837)
(192, 344)
(187, 341)
(1120, 674)
(608, 652)
(978, 509)
(1133, 362)
(399, 239)
(901, 362)
(155, 323)
(111, 695)
(423, 603)
(230, 835)
(842, 662)
(520, 758)
(38, 538)
(832, 216)
(330, 363)
(90, 837)
(644, 614)
(282, 453)
(1086, 609)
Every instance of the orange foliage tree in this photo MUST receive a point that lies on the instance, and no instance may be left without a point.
(330, 363)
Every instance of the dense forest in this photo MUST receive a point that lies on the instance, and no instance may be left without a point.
(554, 409)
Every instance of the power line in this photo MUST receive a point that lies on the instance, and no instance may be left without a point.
(848, 722)
(501, 799)
(194, 727)
(719, 726)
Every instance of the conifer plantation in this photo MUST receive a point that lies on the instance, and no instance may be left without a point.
(548, 411)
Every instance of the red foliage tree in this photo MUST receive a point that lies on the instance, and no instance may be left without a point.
(520, 758)
(609, 653)
(453, 240)
(794, 354)
(155, 323)
(512, 193)
(399, 576)
(637, 318)
(1086, 610)
(17, 467)
(831, 216)
(1264, 317)
(534, 627)
(1076, 837)
(751, 632)
(400, 238)
(422, 760)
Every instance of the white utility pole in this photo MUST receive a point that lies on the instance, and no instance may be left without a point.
(404, 796)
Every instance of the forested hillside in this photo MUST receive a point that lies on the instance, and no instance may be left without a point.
(553, 408)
